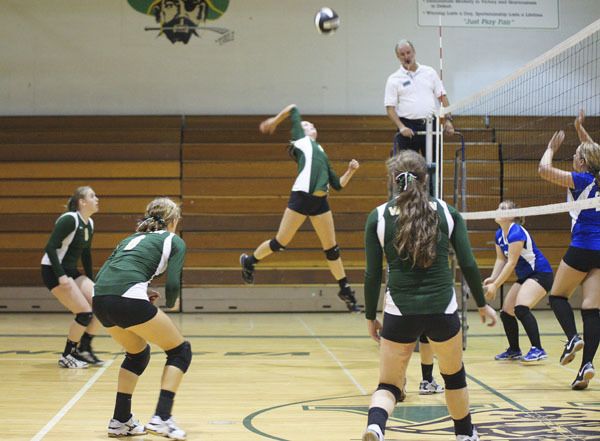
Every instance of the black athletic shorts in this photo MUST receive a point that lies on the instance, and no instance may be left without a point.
(50, 279)
(582, 259)
(122, 311)
(544, 279)
(408, 328)
(308, 204)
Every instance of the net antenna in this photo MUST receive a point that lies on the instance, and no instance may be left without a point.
(507, 127)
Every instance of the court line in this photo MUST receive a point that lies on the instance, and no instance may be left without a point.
(548, 423)
(332, 355)
(62, 412)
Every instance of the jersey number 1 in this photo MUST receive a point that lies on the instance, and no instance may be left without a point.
(131, 245)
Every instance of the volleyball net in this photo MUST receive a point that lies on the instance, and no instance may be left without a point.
(506, 128)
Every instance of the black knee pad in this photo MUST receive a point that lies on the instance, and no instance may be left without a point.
(275, 246)
(396, 392)
(455, 381)
(181, 356)
(505, 316)
(332, 253)
(84, 318)
(137, 363)
(521, 311)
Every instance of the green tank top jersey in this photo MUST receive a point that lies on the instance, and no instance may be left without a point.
(412, 291)
(314, 170)
(70, 240)
(137, 260)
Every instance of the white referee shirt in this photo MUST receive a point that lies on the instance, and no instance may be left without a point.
(415, 95)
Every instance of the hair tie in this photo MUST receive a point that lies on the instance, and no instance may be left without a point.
(404, 178)
(158, 219)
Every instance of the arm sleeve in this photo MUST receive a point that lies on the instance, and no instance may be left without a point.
(297, 130)
(466, 260)
(334, 180)
(374, 266)
(63, 227)
(174, 270)
(86, 261)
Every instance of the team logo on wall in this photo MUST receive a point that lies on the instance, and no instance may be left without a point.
(494, 422)
(178, 20)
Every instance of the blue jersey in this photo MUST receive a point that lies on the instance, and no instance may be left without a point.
(531, 259)
(585, 224)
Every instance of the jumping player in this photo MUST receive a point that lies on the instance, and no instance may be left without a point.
(581, 262)
(308, 199)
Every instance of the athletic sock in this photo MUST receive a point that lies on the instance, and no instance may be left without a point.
(251, 261)
(165, 404)
(344, 285)
(122, 407)
(511, 329)
(379, 416)
(529, 322)
(85, 344)
(564, 314)
(463, 426)
(427, 372)
(70, 347)
(591, 333)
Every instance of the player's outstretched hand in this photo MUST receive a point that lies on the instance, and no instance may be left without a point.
(374, 326)
(556, 140)
(268, 126)
(580, 119)
(487, 313)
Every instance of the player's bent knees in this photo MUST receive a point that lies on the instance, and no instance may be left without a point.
(457, 380)
(84, 318)
(332, 253)
(181, 356)
(137, 363)
(275, 245)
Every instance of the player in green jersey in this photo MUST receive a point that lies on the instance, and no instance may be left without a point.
(414, 232)
(124, 305)
(71, 240)
(308, 199)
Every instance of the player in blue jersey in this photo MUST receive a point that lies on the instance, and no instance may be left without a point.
(516, 250)
(307, 199)
(581, 262)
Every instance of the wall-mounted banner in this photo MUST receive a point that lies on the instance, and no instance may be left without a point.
(178, 20)
(489, 13)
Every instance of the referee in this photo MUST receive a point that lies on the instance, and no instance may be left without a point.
(412, 94)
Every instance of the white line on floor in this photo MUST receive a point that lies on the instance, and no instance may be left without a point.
(332, 355)
(62, 412)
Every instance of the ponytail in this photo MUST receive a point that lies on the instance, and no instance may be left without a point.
(417, 223)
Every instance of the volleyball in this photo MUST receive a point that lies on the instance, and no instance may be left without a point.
(326, 21)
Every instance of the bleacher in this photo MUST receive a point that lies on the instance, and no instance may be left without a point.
(233, 183)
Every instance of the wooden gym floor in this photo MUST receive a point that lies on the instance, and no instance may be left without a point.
(286, 377)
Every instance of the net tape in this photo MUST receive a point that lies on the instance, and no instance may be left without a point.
(537, 210)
